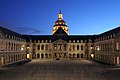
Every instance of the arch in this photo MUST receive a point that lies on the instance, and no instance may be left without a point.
(70, 55)
(82, 55)
(73, 55)
(42, 55)
(46, 55)
(38, 55)
(50, 55)
(42, 47)
(78, 55)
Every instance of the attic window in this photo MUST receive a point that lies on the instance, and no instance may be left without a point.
(81, 41)
(42, 41)
(50, 41)
(46, 41)
(69, 41)
(73, 41)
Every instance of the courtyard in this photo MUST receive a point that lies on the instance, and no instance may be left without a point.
(60, 70)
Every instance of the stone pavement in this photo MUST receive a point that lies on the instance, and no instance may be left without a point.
(60, 70)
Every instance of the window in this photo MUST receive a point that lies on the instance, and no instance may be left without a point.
(55, 46)
(2, 44)
(117, 45)
(70, 48)
(42, 47)
(60, 47)
(73, 41)
(81, 47)
(73, 47)
(46, 47)
(81, 41)
(77, 41)
(77, 47)
(65, 47)
(38, 47)
(69, 41)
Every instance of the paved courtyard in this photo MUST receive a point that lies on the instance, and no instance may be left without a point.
(60, 70)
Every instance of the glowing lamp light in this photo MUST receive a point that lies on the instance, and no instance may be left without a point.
(28, 55)
(22, 49)
(92, 55)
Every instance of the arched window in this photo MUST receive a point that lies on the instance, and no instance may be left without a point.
(77, 47)
(38, 47)
(46, 47)
(81, 47)
(73, 47)
(42, 47)
(42, 55)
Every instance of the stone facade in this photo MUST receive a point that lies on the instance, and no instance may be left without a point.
(107, 47)
(12, 47)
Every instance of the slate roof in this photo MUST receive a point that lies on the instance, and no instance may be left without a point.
(10, 32)
(60, 31)
(115, 30)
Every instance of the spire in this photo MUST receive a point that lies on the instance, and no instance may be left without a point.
(60, 17)
(60, 12)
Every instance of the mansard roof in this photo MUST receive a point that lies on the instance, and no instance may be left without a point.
(82, 37)
(9, 33)
(54, 38)
(113, 31)
(37, 37)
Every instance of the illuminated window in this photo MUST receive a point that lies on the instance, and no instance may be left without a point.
(117, 45)
(81, 41)
(55, 46)
(74, 41)
(69, 41)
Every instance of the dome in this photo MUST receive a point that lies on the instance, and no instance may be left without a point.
(60, 23)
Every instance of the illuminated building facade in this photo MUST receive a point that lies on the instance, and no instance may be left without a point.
(15, 47)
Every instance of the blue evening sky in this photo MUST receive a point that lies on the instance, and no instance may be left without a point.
(83, 17)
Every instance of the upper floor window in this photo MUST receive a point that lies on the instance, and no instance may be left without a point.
(60, 47)
(2, 44)
(73, 41)
(77, 47)
(117, 45)
(70, 47)
(77, 41)
(55, 46)
(81, 41)
(65, 47)
(73, 47)
(81, 47)
(38, 47)
(69, 41)
(42, 47)
(42, 41)
(46, 47)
